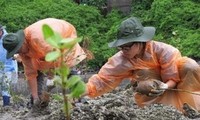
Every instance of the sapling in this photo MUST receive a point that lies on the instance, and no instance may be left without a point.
(72, 87)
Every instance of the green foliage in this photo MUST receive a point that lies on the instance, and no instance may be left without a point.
(179, 16)
(76, 86)
(19, 14)
(141, 7)
(96, 3)
(189, 44)
(53, 55)
(166, 15)
(87, 20)
(106, 33)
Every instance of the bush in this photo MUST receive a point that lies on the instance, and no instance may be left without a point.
(87, 20)
(168, 16)
(180, 17)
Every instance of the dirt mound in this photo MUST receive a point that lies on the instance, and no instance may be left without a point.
(117, 105)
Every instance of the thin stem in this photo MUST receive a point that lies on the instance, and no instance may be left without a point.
(181, 90)
(66, 107)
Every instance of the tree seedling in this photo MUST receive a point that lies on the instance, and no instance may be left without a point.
(72, 87)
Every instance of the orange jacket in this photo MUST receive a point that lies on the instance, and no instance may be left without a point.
(160, 61)
(157, 55)
(36, 47)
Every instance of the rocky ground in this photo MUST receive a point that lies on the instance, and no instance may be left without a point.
(117, 105)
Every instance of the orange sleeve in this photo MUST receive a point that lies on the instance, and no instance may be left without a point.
(167, 58)
(29, 69)
(110, 76)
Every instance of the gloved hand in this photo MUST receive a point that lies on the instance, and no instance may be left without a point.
(159, 88)
(144, 87)
(45, 96)
(44, 99)
(151, 87)
(50, 84)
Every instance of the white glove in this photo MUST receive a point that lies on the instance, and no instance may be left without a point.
(50, 82)
(163, 86)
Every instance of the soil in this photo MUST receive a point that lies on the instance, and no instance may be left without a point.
(116, 105)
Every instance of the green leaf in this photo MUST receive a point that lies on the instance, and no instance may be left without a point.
(64, 70)
(78, 89)
(68, 42)
(79, 39)
(54, 40)
(47, 31)
(57, 37)
(50, 36)
(73, 81)
(52, 56)
(76, 86)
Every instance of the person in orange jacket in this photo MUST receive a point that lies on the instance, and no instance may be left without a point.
(30, 45)
(155, 66)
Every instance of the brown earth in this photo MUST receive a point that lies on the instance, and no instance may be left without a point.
(117, 105)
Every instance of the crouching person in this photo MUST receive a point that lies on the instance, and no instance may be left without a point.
(155, 66)
(30, 45)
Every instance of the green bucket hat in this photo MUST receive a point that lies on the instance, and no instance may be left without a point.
(12, 42)
(131, 30)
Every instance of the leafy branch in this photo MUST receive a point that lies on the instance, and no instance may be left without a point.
(72, 87)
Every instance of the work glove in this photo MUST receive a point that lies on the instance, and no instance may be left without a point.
(36, 104)
(159, 89)
(50, 84)
(45, 96)
(151, 87)
(44, 99)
